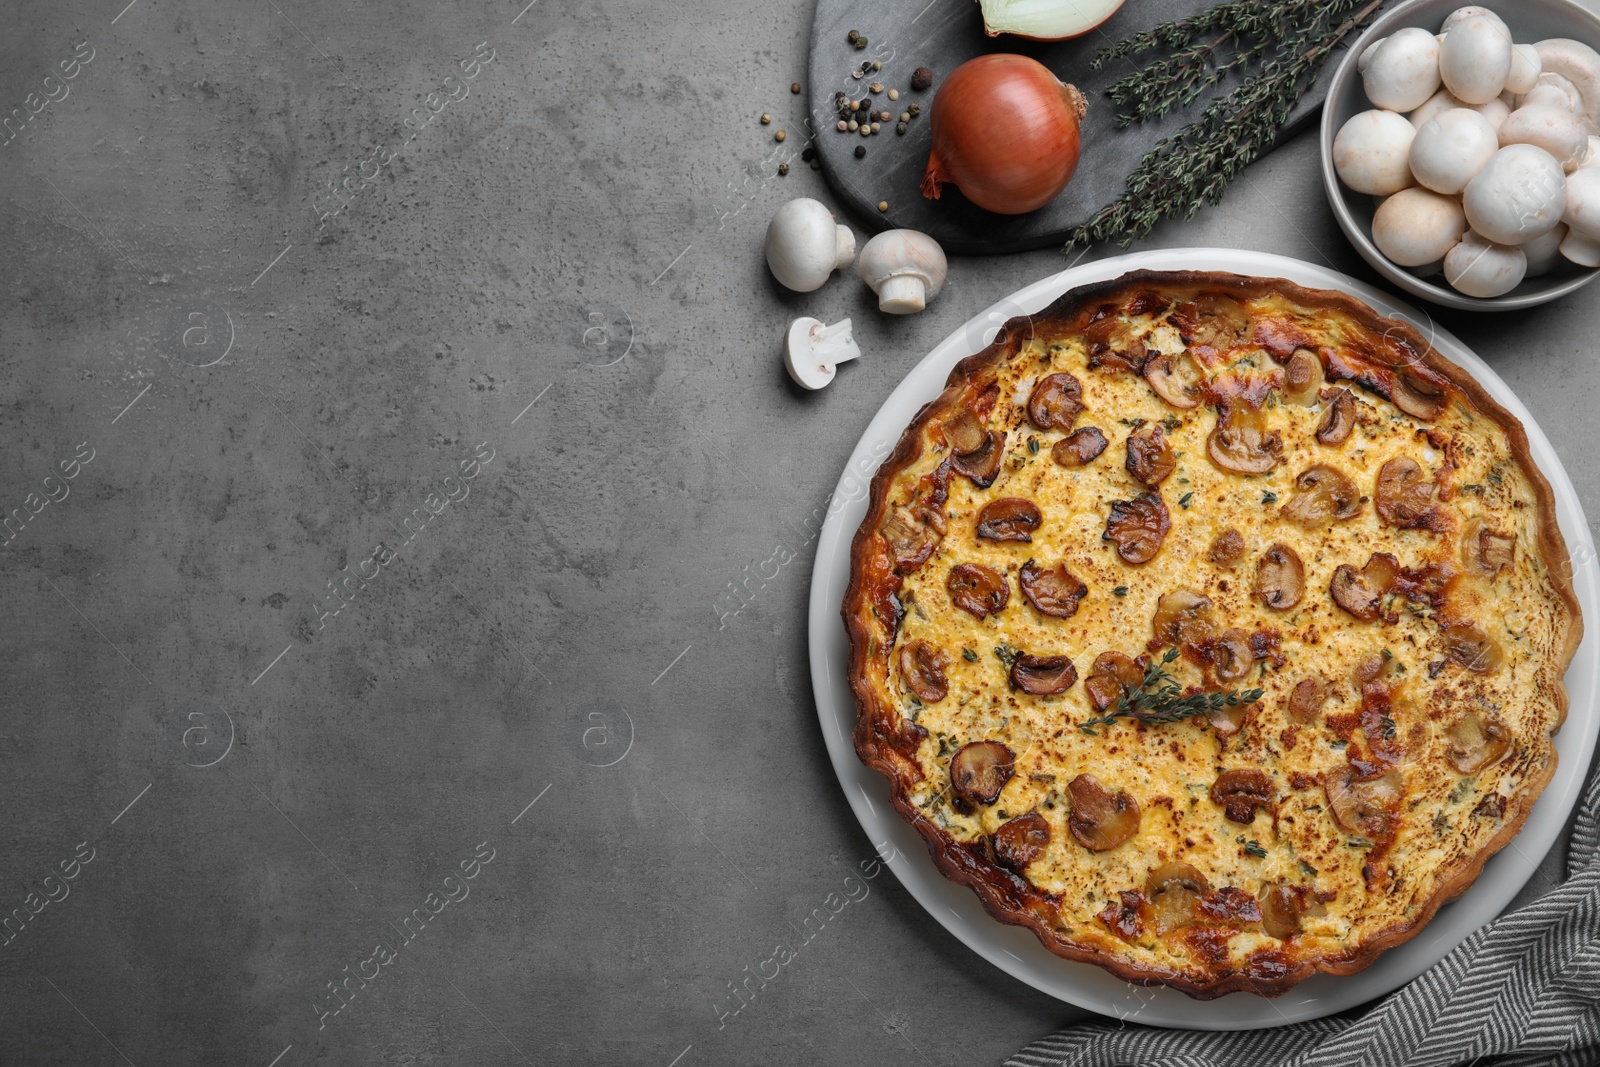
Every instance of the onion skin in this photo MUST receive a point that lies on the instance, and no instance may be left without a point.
(1005, 132)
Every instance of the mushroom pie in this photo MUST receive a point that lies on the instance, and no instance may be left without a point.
(1212, 628)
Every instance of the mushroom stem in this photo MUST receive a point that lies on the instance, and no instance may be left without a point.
(844, 248)
(832, 345)
(902, 295)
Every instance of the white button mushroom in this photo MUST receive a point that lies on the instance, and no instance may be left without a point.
(1403, 70)
(1450, 148)
(1580, 65)
(1370, 152)
(1475, 58)
(1525, 68)
(1544, 253)
(1480, 268)
(906, 268)
(1518, 195)
(1554, 129)
(813, 351)
(1582, 213)
(805, 245)
(1416, 226)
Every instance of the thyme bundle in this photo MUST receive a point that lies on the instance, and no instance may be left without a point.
(1289, 38)
(1159, 699)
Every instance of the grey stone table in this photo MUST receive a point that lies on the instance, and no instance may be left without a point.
(391, 404)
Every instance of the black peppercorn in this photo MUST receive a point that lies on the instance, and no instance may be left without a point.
(861, 150)
(854, 35)
(808, 155)
(861, 42)
(921, 79)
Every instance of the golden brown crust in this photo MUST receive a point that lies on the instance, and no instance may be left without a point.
(888, 743)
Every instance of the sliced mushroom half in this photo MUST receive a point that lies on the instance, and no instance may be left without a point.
(1043, 675)
(1323, 495)
(976, 589)
(911, 540)
(1150, 459)
(1303, 377)
(1416, 395)
(1100, 820)
(1241, 443)
(1404, 494)
(982, 464)
(980, 770)
(1486, 551)
(1470, 645)
(1174, 891)
(1241, 791)
(1361, 592)
(1079, 448)
(922, 668)
(1176, 379)
(1022, 840)
(1183, 619)
(1138, 527)
(1338, 418)
(1231, 655)
(1110, 679)
(1362, 807)
(1055, 402)
(1476, 741)
(1280, 578)
(1052, 591)
(1009, 519)
(1284, 906)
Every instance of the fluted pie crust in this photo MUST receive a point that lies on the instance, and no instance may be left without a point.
(1435, 684)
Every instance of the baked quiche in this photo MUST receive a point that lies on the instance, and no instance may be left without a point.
(1212, 628)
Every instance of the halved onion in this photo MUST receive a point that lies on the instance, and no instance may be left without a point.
(1045, 20)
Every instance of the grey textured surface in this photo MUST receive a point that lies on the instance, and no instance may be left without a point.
(581, 232)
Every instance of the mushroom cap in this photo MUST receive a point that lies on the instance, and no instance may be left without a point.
(906, 268)
(1556, 130)
(1475, 58)
(1525, 68)
(1518, 195)
(1582, 212)
(1402, 70)
(1583, 251)
(805, 245)
(1544, 251)
(1450, 148)
(1480, 268)
(1371, 152)
(1417, 226)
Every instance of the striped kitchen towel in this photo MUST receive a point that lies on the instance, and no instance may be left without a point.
(1520, 992)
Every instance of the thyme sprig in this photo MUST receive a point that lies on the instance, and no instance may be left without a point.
(1159, 699)
(1292, 38)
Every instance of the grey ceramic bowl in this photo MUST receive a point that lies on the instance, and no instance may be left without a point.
(1529, 21)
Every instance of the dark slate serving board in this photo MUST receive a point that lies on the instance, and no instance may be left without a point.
(905, 34)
